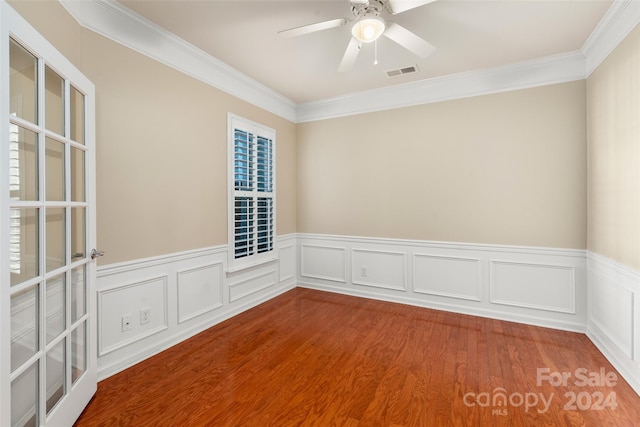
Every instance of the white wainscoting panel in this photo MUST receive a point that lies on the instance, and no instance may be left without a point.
(250, 285)
(129, 299)
(380, 269)
(533, 285)
(199, 290)
(540, 286)
(186, 293)
(614, 314)
(448, 276)
(323, 262)
(287, 260)
(636, 331)
(612, 311)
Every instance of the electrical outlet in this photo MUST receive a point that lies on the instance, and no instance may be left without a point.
(363, 271)
(145, 315)
(126, 322)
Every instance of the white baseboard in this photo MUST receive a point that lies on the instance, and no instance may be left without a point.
(185, 294)
(614, 314)
(532, 285)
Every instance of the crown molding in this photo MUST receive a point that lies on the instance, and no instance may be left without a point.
(616, 24)
(544, 71)
(114, 21)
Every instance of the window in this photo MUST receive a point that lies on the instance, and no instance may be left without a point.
(251, 151)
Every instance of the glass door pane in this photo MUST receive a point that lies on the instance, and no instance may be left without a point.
(77, 175)
(56, 239)
(23, 83)
(78, 352)
(54, 159)
(55, 381)
(78, 233)
(54, 101)
(24, 247)
(78, 293)
(55, 293)
(25, 338)
(77, 115)
(23, 163)
(24, 402)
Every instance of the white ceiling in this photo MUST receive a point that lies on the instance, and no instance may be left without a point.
(469, 35)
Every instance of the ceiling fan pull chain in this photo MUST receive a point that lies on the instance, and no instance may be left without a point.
(375, 52)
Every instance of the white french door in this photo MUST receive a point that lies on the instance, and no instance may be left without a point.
(47, 222)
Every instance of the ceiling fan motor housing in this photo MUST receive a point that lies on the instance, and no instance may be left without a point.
(360, 9)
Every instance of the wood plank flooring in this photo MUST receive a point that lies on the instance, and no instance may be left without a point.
(311, 358)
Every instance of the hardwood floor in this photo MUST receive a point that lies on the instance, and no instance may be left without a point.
(310, 358)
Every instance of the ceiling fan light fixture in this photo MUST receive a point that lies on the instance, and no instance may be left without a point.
(369, 29)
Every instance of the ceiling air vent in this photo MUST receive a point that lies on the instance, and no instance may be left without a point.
(401, 71)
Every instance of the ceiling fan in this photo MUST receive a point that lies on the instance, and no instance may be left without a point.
(369, 25)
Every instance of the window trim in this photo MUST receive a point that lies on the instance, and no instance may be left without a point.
(237, 264)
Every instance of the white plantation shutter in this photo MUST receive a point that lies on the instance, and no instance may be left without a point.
(243, 227)
(252, 204)
(14, 186)
(265, 224)
(243, 149)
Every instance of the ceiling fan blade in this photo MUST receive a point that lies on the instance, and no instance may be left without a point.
(399, 6)
(409, 40)
(311, 28)
(350, 55)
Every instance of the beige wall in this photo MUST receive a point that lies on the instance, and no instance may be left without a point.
(613, 93)
(507, 168)
(161, 146)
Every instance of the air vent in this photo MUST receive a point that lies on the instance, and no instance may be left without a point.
(401, 71)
